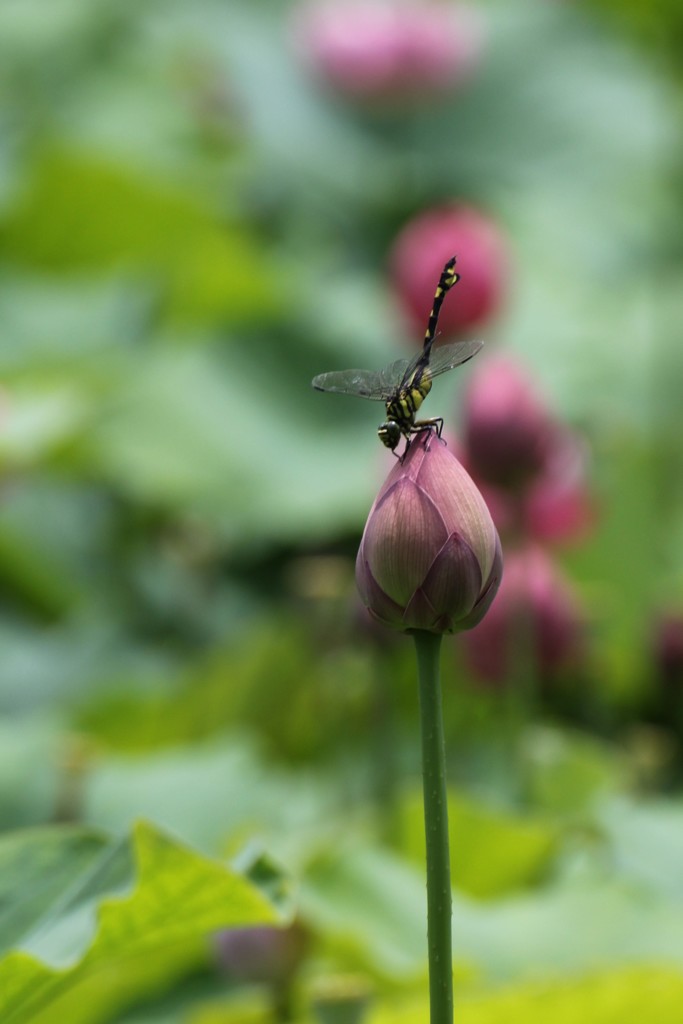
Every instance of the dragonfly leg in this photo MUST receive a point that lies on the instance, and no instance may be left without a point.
(435, 424)
(405, 450)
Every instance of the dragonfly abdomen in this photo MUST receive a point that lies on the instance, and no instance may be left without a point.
(402, 409)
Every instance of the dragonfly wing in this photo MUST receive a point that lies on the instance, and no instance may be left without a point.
(407, 369)
(393, 375)
(383, 385)
(448, 356)
(363, 383)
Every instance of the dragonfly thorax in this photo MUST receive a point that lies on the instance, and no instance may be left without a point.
(403, 407)
(401, 411)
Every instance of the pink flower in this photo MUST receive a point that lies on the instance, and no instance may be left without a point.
(262, 954)
(430, 557)
(536, 619)
(510, 435)
(530, 469)
(386, 51)
(559, 506)
(419, 253)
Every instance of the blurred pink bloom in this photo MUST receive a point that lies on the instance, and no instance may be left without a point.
(529, 467)
(430, 556)
(262, 954)
(556, 508)
(419, 253)
(559, 506)
(384, 51)
(536, 620)
(510, 436)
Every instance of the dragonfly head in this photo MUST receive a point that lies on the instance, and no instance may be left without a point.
(389, 434)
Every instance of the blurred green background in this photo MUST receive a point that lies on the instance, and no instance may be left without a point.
(197, 214)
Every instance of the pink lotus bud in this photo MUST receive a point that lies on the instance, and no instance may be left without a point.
(557, 507)
(430, 556)
(419, 253)
(510, 435)
(262, 954)
(536, 618)
(387, 52)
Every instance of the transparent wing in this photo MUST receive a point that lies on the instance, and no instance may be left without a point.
(377, 385)
(448, 356)
(393, 375)
(383, 385)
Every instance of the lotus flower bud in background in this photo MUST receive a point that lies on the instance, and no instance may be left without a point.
(668, 652)
(263, 954)
(430, 557)
(387, 52)
(510, 436)
(536, 618)
(664, 700)
(557, 507)
(419, 253)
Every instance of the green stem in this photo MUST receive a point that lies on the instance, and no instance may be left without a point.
(428, 647)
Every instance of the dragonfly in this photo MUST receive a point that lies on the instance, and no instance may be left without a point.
(404, 384)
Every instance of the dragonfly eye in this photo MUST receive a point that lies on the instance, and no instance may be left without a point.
(389, 434)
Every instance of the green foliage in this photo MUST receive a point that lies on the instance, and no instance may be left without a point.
(37, 868)
(29, 754)
(79, 913)
(646, 840)
(240, 1011)
(567, 773)
(192, 225)
(81, 212)
(604, 999)
(658, 26)
(370, 905)
(491, 852)
(235, 802)
(373, 908)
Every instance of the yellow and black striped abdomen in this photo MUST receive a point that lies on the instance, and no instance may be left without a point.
(402, 409)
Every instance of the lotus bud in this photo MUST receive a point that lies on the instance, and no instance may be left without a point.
(557, 507)
(262, 954)
(536, 617)
(419, 253)
(384, 52)
(510, 435)
(430, 557)
(668, 651)
(664, 700)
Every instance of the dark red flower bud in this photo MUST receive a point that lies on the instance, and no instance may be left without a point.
(536, 619)
(383, 51)
(430, 556)
(510, 435)
(668, 651)
(419, 253)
